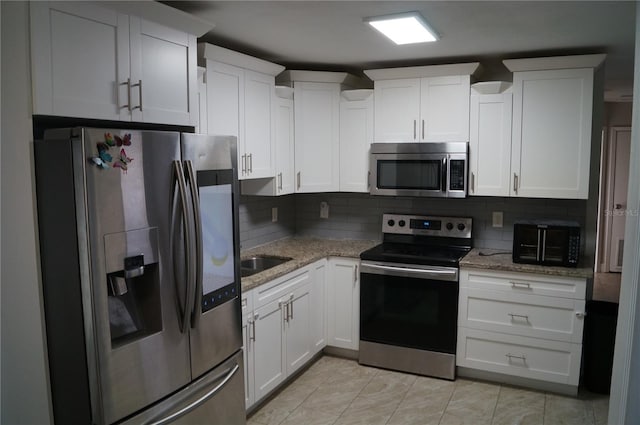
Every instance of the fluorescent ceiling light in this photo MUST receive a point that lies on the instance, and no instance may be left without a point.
(404, 28)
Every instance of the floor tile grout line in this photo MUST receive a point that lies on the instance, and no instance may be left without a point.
(357, 395)
(495, 406)
(401, 400)
(448, 401)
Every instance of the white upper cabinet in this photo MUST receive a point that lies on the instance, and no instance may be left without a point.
(241, 102)
(422, 104)
(317, 119)
(356, 136)
(490, 139)
(92, 61)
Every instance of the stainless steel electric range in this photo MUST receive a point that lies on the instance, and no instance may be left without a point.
(409, 294)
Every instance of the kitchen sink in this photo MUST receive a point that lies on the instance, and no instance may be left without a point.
(259, 263)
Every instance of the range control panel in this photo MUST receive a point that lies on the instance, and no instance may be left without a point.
(404, 224)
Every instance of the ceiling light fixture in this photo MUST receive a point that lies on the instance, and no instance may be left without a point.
(404, 28)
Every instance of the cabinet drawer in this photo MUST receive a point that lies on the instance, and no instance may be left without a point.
(246, 302)
(559, 319)
(533, 358)
(524, 283)
(281, 286)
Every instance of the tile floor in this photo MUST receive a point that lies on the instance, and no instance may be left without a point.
(340, 391)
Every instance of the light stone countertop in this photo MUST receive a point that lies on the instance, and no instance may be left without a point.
(303, 251)
(504, 262)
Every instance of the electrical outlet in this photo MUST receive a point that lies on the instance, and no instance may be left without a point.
(324, 210)
(497, 219)
(274, 214)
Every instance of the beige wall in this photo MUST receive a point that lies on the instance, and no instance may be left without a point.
(25, 390)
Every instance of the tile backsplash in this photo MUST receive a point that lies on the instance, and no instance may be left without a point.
(359, 216)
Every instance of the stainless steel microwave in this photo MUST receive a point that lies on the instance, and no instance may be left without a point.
(419, 169)
(546, 242)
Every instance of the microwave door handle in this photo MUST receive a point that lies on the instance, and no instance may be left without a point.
(544, 244)
(538, 245)
(444, 174)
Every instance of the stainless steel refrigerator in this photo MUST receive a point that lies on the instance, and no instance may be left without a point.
(140, 272)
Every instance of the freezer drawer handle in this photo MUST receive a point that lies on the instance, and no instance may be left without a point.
(199, 401)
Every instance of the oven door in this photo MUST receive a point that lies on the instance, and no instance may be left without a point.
(409, 306)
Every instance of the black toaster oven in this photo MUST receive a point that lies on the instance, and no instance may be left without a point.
(546, 242)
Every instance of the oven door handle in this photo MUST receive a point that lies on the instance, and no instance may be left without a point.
(435, 274)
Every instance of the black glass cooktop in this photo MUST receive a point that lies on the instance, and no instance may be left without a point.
(416, 254)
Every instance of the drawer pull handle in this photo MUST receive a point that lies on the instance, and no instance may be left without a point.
(521, 285)
(513, 356)
(581, 314)
(519, 316)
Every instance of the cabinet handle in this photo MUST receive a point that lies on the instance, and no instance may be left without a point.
(355, 275)
(128, 84)
(513, 356)
(473, 182)
(414, 129)
(298, 177)
(521, 285)
(139, 85)
(515, 183)
(244, 164)
(290, 303)
(580, 314)
(250, 167)
(279, 181)
(285, 308)
(521, 316)
(422, 129)
(368, 179)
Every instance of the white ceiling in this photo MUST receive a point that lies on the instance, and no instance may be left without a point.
(331, 35)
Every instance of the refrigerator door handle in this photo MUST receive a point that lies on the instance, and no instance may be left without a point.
(172, 417)
(197, 298)
(179, 180)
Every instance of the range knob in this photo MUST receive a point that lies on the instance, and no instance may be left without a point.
(461, 226)
(391, 223)
(401, 223)
(449, 226)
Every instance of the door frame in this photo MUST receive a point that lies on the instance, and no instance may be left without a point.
(604, 240)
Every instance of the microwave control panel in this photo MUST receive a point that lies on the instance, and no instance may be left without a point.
(456, 174)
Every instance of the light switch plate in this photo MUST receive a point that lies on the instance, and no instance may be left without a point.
(497, 219)
(324, 210)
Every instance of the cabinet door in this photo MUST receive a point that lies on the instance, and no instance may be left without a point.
(397, 110)
(444, 109)
(269, 367)
(552, 133)
(163, 74)
(248, 332)
(225, 104)
(490, 145)
(284, 145)
(318, 307)
(317, 156)
(343, 304)
(259, 93)
(297, 328)
(356, 135)
(80, 60)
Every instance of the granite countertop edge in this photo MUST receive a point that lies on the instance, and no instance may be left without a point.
(302, 251)
(502, 261)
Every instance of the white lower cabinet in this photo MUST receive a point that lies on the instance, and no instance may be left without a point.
(343, 303)
(318, 309)
(523, 325)
(280, 332)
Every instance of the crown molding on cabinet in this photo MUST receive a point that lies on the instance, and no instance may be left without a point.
(353, 95)
(162, 14)
(423, 71)
(555, 62)
(230, 57)
(343, 78)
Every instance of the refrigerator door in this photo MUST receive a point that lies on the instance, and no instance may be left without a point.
(215, 398)
(141, 353)
(212, 179)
